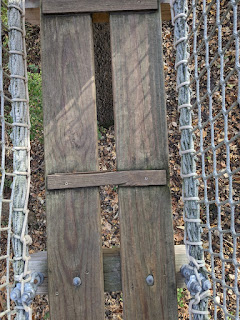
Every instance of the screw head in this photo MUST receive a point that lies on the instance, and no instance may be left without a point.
(150, 280)
(77, 282)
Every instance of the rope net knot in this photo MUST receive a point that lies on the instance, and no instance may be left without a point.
(207, 64)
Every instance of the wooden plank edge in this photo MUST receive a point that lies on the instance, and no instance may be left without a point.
(36, 3)
(166, 12)
(30, 4)
(100, 17)
(75, 6)
(33, 13)
(131, 178)
(111, 268)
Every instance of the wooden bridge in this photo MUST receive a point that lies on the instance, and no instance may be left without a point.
(72, 177)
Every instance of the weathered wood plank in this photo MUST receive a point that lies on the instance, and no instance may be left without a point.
(97, 179)
(76, 6)
(36, 3)
(33, 13)
(111, 268)
(141, 142)
(30, 4)
(70, 133)
(32, 16)
(166, 11)
(101, 17)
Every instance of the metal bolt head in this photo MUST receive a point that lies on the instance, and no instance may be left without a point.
(150, 280)
(206, 285)
(193, 285)
(26, 298)
(186, 272)
(37, 278)
(15, 294)
(77, 282)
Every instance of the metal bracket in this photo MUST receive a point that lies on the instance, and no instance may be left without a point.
(30, 289)
(192, 282)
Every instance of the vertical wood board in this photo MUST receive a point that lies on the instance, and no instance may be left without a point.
(70, 132)
(141, 142)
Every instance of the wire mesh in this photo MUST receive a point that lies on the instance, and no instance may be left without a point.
(213, 44)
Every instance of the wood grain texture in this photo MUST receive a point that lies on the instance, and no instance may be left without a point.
(32, 4)
(33, 16)
(111, 268)
(33, 13)
(97, 179)
(141, 143)
(166, 12)
(70, 133)
(102, 17)
(36, 3)
(76, 6)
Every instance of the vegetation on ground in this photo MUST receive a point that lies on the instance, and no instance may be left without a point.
(35, 102)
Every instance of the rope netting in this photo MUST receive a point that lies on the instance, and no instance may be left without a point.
(16, 282)
(207, 38)
(207, 42)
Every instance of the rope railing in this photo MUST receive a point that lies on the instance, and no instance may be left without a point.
(208, 85)
(18, 282)
(207, 43)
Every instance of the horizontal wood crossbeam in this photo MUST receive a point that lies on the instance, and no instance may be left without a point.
(81, 6)
(31, 4)
(33, 12)
(96, 179)
(111, 268)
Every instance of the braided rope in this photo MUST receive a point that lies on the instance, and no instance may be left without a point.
(211, 119)
(21, 145)
(192, 236)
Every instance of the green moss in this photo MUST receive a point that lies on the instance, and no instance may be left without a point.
(35, 103)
